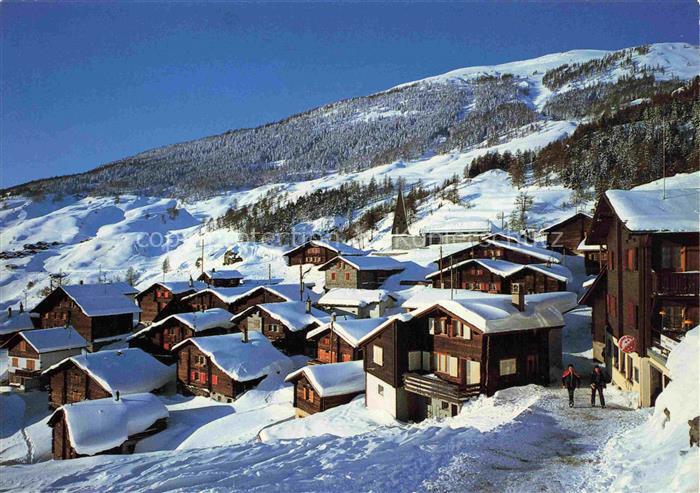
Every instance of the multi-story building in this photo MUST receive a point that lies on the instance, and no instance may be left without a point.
(652, 281)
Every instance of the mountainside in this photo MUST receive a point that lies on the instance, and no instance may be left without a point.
(452, 112)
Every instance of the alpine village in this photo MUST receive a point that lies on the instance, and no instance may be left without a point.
(531, 294)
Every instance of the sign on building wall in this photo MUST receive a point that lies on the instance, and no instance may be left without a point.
(627, 344)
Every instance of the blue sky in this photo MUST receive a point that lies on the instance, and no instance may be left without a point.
(85, 84)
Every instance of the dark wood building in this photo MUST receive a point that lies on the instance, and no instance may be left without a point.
(285, 324)
(102, 374)
(88, 428)
(566, 235)
(510, 251)
(162, 299)
(100, 313)
(223, 278)
(596, 297)
(318, 388)
(360, 272)
(338, 341)
(428, 362)
(30, 352)
(159, 338)
(652, 281)
(223, 367)
(318, 252)
(235, 300)
(498, 276)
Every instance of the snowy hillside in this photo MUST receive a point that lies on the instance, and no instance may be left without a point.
(451, 112)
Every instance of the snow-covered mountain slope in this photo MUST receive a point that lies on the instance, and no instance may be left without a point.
(450, 112)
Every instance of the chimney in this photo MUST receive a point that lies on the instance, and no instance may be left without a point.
(518, 296)
(245, 334)
(21, 307)
(191, 282)
(9, 312)
(213, 269)
(116, 395)
(308, 304)
(81, 281)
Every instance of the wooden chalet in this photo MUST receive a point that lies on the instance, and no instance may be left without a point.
(162, 299)
(510, 251)
(13, 322)
(337, 341)
(426, 363)
(566, 235)
(30, 352)
(595, 257)
(105, 426)
(358, 303)
(104, 374)
(498, 276)
(235, 300)
(368, 272)
(223, 367)
(223, 278)
(318, 388)
(318, 252)
(653, 280)
(101, 313)
(159, 338)
(285, 324)
(596, 297)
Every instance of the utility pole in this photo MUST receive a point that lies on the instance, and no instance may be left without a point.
(269, 274)
(501, 215)
(663, 155)
(201, 232)
(452, 283)
(301, 282)
(442, 285)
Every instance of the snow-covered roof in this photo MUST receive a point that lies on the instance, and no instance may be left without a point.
(648, 210)
(291, 313)
(504, 268)
(288, 292)
(429, 295)
(352, 330)
(354, 297)
(15, 323)
(97, 300)
(98, 425)
(533, 251)
(565, 220)
(474, 226)
(129, 371)
(368, 263)
(197, 321)
(334, 378)
(224, 274)
(53, 339)
(178, 287)
(336, 246)
(496, 313)
(240, 360)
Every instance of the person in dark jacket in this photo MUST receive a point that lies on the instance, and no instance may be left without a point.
(570, 381)
(598, 381)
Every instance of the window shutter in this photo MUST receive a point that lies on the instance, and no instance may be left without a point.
(193, 376)
(453, 364)
(214, 379)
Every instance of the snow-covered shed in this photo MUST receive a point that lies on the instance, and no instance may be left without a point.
(163, 298)
(105, 426)
(318, 388)
(102, 374)
(361, 303)
(221, 278)
(225, 366)
(360, 272)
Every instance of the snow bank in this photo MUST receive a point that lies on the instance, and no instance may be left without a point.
(656, 456)
(99, 425)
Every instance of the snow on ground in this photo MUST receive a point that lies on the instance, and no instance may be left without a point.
(24, 435)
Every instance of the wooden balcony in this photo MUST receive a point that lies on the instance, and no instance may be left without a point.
(432, 386)
(676, 283)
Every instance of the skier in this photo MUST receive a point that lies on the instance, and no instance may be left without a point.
(570, 381)
(598, 381)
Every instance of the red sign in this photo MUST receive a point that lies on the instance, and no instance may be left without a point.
(627, 344)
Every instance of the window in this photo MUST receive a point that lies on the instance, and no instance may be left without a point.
(630, 367)
(380, 390)
(463, 331)
(308, 394)
(444, 405)
(273, 328)
(631, 259)
(623, 360)
(378, 355)
(200, 360)
(616, 355)
(507, 367)
(426, 360)
(214, 379)
(673, 317)
(347, 276)
(22, 345)
(332, 276)
(15, 362)
(30, 364)
(414, 360)
(445, 363)
(636, 374)
(671, 258)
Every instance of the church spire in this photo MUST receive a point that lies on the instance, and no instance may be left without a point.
(400, 226)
